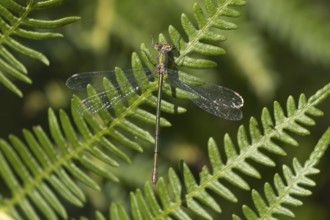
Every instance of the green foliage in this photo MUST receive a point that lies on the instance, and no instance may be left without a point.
(28, 174)
(29, 169)
(208, 23)
(184, 200)
(16, 24)
(43, 170)
(295, 185)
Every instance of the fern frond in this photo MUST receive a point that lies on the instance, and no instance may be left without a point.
(16, 24)
(174, 195)
(208, 24)
(35, 170)
(298, 23)
(295, 184)
(42, 167)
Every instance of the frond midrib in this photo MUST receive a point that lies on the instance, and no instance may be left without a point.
(199, 35)
(13, 27)
(298, 175)
(281, 198)
(28, 188)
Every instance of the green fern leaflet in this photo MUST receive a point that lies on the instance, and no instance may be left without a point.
(16, 24)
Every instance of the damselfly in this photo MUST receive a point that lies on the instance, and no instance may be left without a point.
(215, 99)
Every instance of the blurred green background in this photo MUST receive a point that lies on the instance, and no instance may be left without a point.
(281, 48)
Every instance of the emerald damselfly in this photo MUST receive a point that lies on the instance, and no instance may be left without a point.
(215, 99)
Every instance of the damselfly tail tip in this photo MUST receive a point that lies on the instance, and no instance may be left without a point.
(154, 178)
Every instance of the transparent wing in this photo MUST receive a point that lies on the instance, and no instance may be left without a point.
(80, 81)
(103, 99)
(100, 101)
(215, 99)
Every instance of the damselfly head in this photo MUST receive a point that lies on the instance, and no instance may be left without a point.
(163, 47)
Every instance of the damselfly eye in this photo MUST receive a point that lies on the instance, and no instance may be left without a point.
(158, 46)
